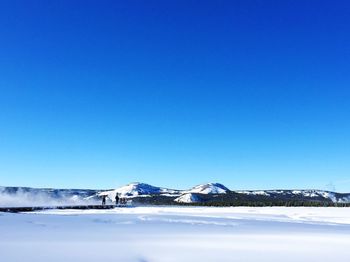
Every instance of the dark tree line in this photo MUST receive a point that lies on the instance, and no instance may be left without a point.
(233, 200)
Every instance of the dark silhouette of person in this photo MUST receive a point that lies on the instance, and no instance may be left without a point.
(122, 200)
(104, 200)
(117, 199)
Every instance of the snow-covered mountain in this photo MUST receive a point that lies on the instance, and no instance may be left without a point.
(136, 189)
(139, 190)
(193, 195)
(209, 188)
(316, 194)
(147, 194)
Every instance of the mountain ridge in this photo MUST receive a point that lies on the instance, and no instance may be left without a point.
(146, 193)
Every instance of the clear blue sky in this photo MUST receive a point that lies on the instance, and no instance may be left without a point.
(252, 94)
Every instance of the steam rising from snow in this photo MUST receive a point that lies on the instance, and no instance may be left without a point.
(44, 197)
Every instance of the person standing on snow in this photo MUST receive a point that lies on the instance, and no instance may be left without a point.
(117, 199)
(104, 200)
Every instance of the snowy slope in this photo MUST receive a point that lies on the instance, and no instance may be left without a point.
(192, 195)
(209, 188)
(187, 198)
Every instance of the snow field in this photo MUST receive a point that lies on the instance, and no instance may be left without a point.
(155, 234)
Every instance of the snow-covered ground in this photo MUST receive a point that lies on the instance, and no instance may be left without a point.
(177, 234)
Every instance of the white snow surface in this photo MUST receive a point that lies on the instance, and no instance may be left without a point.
(157, 234)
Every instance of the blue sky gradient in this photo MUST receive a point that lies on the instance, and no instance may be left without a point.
(253, 94)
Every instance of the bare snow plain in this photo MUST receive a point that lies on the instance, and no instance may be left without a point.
(154, 234)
